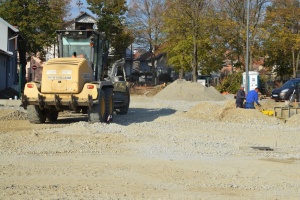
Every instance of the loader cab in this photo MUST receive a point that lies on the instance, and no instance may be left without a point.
(117, 72)
(86, 44)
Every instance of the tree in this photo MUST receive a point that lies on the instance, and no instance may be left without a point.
(36, 21)
(111, 22)
(145, 21)
(234, 24)
(282, 41)
(192, 39)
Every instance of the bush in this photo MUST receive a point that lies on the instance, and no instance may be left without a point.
(230, 83)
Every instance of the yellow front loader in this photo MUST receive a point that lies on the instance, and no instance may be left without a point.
(75, 84)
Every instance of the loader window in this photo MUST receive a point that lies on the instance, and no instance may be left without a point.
(79, 45)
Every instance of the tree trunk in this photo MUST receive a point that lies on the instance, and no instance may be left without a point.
(295, 55)
(294, 64)
(195, 61)
(250, 66)
(153, 68)
(297, 63)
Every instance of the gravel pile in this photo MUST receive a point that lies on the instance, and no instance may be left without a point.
(160, 150)
(210, 111)
(189, 91)
(7, 114)
(294, 121)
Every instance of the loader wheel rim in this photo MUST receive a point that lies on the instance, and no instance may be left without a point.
(102, 105)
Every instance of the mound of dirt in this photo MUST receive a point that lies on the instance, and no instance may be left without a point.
(294, 120)
(12, 114)
(189, 91)
(209, 111)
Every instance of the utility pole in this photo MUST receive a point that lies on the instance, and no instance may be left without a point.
(247, 50)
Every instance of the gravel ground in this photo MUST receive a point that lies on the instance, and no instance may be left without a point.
(161, 149)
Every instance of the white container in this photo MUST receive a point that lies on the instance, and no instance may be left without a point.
(253, 81)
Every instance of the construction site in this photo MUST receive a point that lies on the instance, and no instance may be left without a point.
(177, 141)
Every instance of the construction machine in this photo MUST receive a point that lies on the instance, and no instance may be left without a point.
(75, 81)
(121, 92)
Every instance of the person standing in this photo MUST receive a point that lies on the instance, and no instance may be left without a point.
(240, 97)
(252, 97)
(74, 55)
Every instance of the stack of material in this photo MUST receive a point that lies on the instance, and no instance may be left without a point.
(12, 114)
(227, 112)
(182, 90)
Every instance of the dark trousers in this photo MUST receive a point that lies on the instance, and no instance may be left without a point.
(239, 104)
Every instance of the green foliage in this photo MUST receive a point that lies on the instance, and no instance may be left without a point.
(230, 83)
(111, 22)
(36, 21)
(110, 15)
(192, 39)
(282, 41)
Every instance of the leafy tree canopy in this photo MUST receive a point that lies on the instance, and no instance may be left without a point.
(282, 41)
(36, 20)
(111, 22)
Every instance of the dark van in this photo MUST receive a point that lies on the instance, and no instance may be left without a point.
(286, 91)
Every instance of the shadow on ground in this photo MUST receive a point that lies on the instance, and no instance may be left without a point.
(140, 115)
(134, 115)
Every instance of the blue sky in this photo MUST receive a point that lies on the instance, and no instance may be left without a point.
(75, 9)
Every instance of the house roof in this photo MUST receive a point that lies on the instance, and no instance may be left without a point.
(146, 56)
(9, 25)
(83, 15)
(8, 53)
(4, 45)
(79, 18)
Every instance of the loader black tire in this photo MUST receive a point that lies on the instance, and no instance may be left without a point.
(97, 112)
(35, 114)
(109, 104)
(52, 116)
(124, 109)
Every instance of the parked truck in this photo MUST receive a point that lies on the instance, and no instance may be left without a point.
(75, 81)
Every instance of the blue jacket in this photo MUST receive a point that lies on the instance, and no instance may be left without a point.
(252, 97)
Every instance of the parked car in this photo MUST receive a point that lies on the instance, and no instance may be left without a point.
(286, 91)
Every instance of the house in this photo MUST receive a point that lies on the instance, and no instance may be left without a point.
(129, 56)
(83, 21)
(8, 55)
(142, 64)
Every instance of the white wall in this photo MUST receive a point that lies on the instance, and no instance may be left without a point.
(3, 36)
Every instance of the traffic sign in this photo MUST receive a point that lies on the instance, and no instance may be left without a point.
(34, 67)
